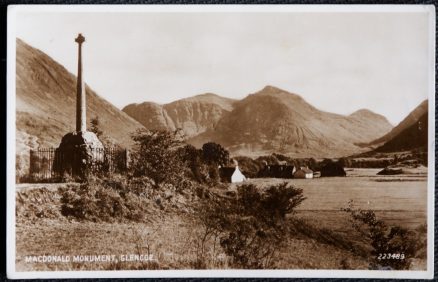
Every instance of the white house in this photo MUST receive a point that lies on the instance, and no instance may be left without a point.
(237, 174)
(303, 172)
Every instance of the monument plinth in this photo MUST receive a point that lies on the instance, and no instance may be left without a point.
(80, 148)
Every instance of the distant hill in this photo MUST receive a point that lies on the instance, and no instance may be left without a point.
(407, 122)
(46, 101)
(193, 115)
(407, 141)
(413, 137)
(274, 120)
(271, 120)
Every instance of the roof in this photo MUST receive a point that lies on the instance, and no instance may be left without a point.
(305, 170)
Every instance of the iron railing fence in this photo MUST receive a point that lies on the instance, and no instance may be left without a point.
(47, 163)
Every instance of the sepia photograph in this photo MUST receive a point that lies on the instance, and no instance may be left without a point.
(225, 141)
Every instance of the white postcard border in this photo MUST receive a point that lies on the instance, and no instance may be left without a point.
(11, 131)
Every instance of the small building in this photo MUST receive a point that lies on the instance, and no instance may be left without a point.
(231, 173)
(237, 176)
(331, 169)
(304, 173)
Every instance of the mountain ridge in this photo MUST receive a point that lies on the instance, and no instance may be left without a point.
(408, 121)
(194, 115)
(411, 138)
(273, 120)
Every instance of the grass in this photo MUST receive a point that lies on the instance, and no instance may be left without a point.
(322, 236)
(171, 240)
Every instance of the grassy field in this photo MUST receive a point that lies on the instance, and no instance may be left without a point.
(324, 237)
(399, 199)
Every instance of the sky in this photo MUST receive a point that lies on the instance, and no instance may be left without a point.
(338, 62)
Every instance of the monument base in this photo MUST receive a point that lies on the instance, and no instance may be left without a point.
(84, 139)
(78, 153)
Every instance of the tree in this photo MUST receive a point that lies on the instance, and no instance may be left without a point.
(193, 159)
(214, 153)
(252, 226)
(95, 126)
(392, 247)
(345, 162)
(155, 155)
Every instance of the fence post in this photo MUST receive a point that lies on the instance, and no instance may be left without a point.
(126, 159)
(30, 161)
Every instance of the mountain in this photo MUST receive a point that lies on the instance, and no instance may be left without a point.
(150, 115)
(412, 137)
(406, 123)
(46, 102)
(193, 115)
(271, 120)
(274, 120)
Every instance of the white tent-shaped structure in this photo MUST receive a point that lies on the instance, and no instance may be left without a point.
(237, 176)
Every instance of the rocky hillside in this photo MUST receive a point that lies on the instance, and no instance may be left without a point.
(406, 123)
(46, 101)
(274, 120)
(410, 138)
(271, 120)
(193, 115)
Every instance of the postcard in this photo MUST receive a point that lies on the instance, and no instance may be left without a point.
(221, 141)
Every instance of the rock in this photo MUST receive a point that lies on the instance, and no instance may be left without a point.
(390, 171)
(168, 195)
(73, 139)
(77, 151)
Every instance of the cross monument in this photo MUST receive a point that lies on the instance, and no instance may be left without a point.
(80, 148)
(81, 116)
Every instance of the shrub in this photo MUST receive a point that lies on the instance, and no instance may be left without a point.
(304, 228)
(215, 154)
(249, 166)
(391, 247)
(95, 126)
(331, 169)
(156, 156)
(197, 169)
(103, 200)
(251, 226)
(269, 160)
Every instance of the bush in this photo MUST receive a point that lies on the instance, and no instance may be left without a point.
(332, 169)
(156, 156)
(249, 166)
(391, 247)
(196, 168)
(95, 126)
(269, 160)
(215, 154)
(103, 200)
(251, 227)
